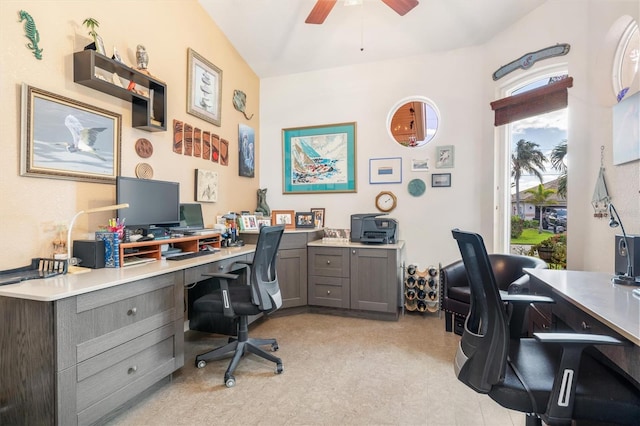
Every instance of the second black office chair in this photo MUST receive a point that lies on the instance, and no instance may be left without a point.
(552, 377)
(238, 299)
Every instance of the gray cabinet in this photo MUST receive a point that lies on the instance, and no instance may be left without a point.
(84, 356)
(291, 264)
(364, 279)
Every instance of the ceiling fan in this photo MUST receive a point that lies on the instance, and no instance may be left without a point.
(322, 8)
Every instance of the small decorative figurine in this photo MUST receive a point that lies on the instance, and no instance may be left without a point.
(262, 203)
(240, 101)
(142, 57)
(31, 33)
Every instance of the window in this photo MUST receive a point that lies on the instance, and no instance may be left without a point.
(627, 58)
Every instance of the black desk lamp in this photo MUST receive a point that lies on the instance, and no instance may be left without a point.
(628, 278)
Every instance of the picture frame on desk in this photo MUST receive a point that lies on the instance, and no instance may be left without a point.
(283, 217)
(249, 222)
(62, 138)
(305, 220)
(318, 216)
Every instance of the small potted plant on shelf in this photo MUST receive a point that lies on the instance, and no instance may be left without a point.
(98, 44)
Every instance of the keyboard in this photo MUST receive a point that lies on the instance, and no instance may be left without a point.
(191, 254)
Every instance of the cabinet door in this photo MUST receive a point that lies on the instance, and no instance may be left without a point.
(292, 277)
(374, 283)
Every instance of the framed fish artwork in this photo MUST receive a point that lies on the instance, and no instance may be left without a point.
(62, 138)
(204, 89)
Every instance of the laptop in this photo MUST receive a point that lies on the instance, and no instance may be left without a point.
(191, 220)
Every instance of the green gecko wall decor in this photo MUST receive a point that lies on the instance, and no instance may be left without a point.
(31, 33)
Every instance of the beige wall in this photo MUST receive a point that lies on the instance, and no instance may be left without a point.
(460, 84)
(31, 208)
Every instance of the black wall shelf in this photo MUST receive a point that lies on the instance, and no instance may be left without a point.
(85, 64)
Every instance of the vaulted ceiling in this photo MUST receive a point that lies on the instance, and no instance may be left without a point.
(273, 38)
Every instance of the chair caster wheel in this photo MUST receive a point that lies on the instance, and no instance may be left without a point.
(275, 347)
(230, 382)
(279, 369)
(201, 363)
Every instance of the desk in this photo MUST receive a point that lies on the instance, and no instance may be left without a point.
(76, 347)
(588, 302)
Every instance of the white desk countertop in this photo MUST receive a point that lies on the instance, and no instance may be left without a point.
(593, 292)
(63, 286)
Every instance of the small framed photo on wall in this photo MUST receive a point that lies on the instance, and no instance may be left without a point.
(444, 157)
(441, 180)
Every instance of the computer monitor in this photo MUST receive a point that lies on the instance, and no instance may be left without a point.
(151, 202)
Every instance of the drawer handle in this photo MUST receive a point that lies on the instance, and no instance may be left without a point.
(132, 311)
(132, 369)
(328, 262)
(221, 267)
(585, 326)
(353, 252)
(328, 292)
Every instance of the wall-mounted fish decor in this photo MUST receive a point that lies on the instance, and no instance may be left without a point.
(240, 101)
(31, 33)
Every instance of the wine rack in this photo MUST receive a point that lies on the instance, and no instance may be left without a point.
(421, 289)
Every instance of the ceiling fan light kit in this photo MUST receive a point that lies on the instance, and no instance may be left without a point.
(322, 8)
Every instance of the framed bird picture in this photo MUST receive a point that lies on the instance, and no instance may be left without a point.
(62, 138)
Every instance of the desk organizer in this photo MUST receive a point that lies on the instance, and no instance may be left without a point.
(39, 268)
(421, 289)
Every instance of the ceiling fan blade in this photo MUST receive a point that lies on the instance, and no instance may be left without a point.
(402, 7)
(320, 11)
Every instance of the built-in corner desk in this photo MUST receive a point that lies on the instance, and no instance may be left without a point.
(588, 302)
(76, 347)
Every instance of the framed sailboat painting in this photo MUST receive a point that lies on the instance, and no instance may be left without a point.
(319, 159)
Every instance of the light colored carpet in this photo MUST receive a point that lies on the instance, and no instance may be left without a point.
(337, 371)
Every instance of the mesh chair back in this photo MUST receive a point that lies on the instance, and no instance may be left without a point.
(482, 354)
(265, 291)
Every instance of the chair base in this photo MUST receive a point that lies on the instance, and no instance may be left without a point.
(239, 347)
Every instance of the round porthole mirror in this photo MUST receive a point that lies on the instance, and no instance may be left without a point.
(413, 121)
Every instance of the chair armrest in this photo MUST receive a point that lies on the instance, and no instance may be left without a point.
(519, 286)
(227, 309)
(560, 407)
(519, 304)
(566, 339)
(229, 277)
(525, 298)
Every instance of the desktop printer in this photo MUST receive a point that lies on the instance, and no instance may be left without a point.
(370, 229)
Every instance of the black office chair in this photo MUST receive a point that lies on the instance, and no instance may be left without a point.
(240, 300)
(507, 269)
(553, 377)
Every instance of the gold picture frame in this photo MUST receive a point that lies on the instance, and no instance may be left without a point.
(62, 138)
(204, 89)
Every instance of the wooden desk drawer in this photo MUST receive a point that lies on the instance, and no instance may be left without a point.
(329, 291)
(328, 262)
(109, 326)
(97, 387)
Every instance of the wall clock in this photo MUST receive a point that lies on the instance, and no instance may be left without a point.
(416, 187)
(386, 201)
